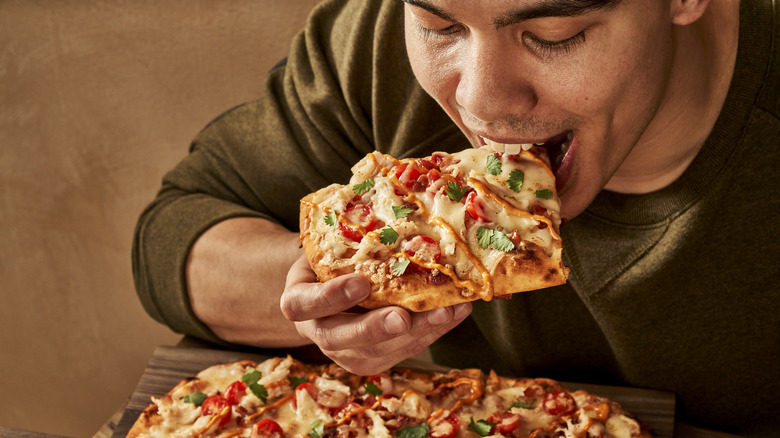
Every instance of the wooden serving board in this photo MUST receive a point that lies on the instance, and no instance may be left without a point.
(169, 365)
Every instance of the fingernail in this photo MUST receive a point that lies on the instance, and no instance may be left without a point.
(439, 316)
(355, 289)
(395, 324)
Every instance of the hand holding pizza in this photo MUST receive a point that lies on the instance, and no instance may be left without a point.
(366, 342)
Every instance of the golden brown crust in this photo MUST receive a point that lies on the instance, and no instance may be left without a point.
(149, 417)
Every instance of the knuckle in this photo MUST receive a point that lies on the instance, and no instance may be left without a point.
(322, 337)
(287, 308)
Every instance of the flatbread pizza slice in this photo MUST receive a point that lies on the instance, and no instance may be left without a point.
(441, 230)
(282, 397)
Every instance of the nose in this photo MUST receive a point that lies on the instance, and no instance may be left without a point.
(494, 82)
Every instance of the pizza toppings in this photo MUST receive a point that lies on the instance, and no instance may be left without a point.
(269, 428)
(326, 401)
(559, 403)
(476, 210)
(218, 407)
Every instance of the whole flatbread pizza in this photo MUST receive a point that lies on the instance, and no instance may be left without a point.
(282, 397)
(440, 230)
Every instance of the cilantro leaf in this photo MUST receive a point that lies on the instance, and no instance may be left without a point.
(481, 427)
(502, 242)
(400, 267)
(295, 381)
(317, 429)
(521, 405)
(455, 191)
(487, 237)
(484, 237)
(544, 194)
(388, 236)
(251, 377)
(373, 389)
(259, 391)
(330, 219)
(515, 181)
(493, 165)
(401, 211)
(363, 187)
(419, 431)
(196, 398)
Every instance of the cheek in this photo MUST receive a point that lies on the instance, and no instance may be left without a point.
(432, 67)
(620, 82)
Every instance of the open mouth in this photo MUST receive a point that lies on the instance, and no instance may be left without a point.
(557, 146)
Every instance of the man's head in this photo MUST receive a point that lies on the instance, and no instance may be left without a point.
(586, 77)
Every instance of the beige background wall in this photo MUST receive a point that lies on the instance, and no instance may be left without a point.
(98, 98)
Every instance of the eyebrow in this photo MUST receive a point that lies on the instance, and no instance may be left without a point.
(556, 8)
(543, 9)
(430, 8)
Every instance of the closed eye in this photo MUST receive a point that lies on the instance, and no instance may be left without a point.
(439, 33)
(546, 48)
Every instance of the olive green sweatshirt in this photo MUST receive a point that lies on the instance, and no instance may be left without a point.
(674, 290)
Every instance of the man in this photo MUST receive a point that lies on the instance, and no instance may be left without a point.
(673, 280)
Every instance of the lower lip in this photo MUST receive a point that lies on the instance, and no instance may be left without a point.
(563, 171)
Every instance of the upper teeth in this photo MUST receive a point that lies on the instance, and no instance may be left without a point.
(511, 149)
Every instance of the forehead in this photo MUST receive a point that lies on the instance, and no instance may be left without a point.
(505, 12)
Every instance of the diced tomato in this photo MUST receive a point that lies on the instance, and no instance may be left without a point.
(350, 233)
(235, 391)
(559, 403)
(268, 427)
(446, 427)
(214, 405)
(362, 215)
(433, 176)
(305, 386)
(505, 422)
(406, 174)
(399, 169)
(474, 207)
(423, 247)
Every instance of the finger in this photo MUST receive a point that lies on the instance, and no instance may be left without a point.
(426, 328)
(305, 299)
(352, 331)
(300, 272)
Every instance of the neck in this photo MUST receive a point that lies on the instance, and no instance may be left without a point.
(703, 65)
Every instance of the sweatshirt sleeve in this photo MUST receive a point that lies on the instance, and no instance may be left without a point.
(347, 69)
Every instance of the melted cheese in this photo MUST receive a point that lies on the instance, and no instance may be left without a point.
(446, 221)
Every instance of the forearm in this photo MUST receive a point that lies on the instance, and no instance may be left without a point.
(236, 273)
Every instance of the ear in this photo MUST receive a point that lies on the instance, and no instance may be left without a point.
(685, 12)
